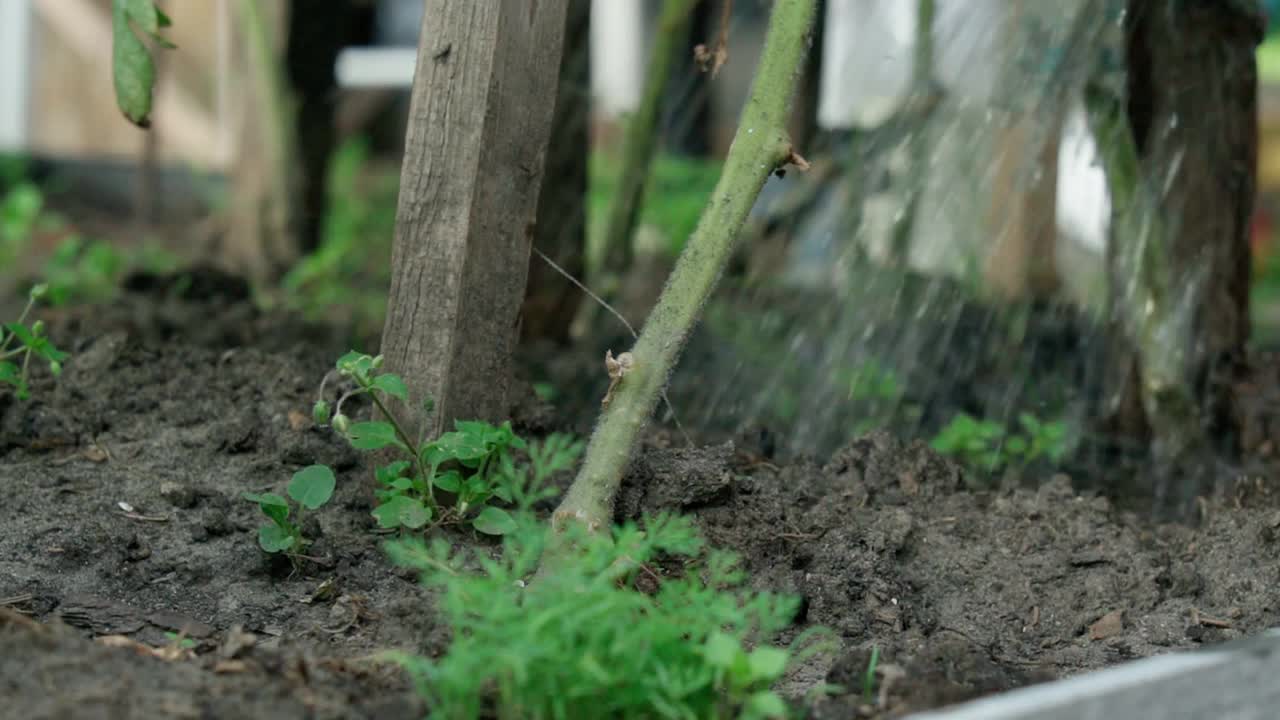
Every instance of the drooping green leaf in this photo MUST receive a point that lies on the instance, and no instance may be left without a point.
(373, 435)
(494, 521)
(392, 385)
(274, 538)
(132, 68)
(402, 511)
(312, 486)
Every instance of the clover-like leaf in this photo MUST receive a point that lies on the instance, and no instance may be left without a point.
(494, 521)
(312, 486)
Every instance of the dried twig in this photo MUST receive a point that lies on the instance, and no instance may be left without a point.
(715, 58)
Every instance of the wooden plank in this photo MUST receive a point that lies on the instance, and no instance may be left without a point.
(1235, 680)
(479, 126)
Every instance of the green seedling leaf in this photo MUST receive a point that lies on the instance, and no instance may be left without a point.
(272, 505)
(393, 386)
(494, 521)
(133, 70)
(46, 350)
(312, 486)
(9, 373)
(274, 538)
(373, 436)
(767, 663)
(24, 335)
(402, 511)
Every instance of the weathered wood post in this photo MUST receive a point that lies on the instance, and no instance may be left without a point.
(1192, 115)
(479, 125)
(551, 301)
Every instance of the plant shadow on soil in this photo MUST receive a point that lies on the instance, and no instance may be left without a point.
(179, 397)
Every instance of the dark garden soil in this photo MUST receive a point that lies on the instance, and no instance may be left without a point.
(120, 516)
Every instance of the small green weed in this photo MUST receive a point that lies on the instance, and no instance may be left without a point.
(81, 270)
(20, 208)
(474, 464)
(988, 445)
(872, 381)
(585, 642)
(180, 641)
(869, 678)
(311, 487)
(20, 342)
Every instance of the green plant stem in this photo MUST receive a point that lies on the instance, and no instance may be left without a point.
(404, 438)
(9, 337)
(641, 139)
(760, 146)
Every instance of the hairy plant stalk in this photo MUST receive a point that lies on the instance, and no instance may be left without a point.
(760, 146)
(641, 140)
